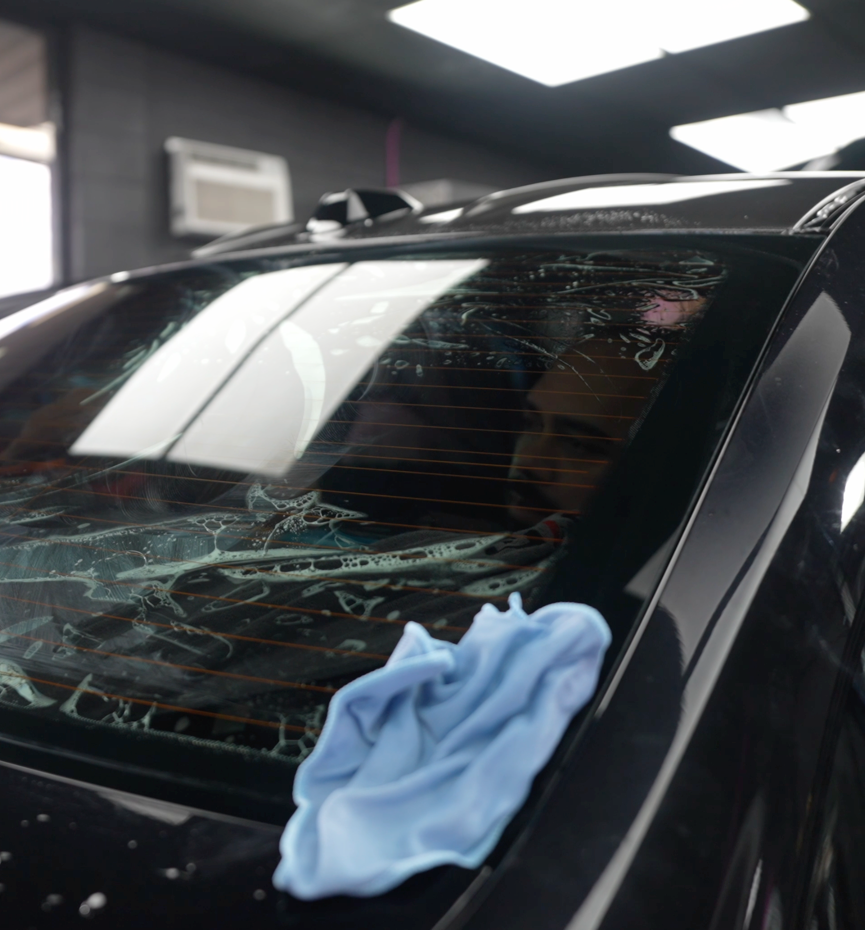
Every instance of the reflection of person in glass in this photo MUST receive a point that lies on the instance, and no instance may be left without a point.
(578, 415)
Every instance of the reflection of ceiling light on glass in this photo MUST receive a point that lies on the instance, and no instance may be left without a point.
(769, 140)
(312, 362)
(632, 195)
(196, 399)
(559, 41)
(170, 387)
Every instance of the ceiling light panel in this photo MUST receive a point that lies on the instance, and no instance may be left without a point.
(685, 24)
(770, 140)
(556, 42)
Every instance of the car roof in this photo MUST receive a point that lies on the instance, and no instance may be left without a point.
(780, 202)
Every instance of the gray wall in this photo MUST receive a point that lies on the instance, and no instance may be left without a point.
(124, 99)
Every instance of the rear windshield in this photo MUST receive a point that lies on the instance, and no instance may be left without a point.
(225, 490)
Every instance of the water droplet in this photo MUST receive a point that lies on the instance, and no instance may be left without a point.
(171, 873)
(43, 818)
(132, 844)
(259, 894)
(25, 823)
(95, 902)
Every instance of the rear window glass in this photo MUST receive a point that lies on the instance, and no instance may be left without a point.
(223, 493)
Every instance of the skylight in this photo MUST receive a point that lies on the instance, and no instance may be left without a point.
(770, 140)
(556, 42)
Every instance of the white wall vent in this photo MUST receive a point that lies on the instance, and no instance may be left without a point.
(217, 189)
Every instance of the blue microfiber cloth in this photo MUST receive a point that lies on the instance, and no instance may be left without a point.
(424, 761)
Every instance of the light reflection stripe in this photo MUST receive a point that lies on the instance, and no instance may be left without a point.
(311, 362)
(165, 393)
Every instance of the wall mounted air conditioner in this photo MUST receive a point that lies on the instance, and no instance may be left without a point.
(217, 189)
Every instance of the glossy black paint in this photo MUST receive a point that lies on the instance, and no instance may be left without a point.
(836, 897)
(155, 863)
(700, 768)
(166, 865)
(693, 800)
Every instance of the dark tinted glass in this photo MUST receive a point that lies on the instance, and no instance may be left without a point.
(225, 490)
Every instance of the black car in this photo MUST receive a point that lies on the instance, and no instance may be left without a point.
(226, 485)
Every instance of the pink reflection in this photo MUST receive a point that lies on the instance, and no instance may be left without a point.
(669, 309)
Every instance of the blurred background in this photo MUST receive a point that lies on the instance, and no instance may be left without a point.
(132, 131)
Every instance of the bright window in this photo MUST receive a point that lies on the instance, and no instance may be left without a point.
(26, 251)
(26, 157)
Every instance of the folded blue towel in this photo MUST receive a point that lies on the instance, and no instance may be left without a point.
(424, 762)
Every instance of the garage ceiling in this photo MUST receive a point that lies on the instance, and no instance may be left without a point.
(348, 50)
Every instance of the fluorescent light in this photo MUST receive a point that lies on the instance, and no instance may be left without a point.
(550, 41)
(556, 42)
(632, 195)
(687, 24)
(769, 140)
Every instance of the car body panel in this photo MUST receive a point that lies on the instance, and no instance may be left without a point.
(621, 838)
(695, 789)
(167, 865)
(629, 203)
